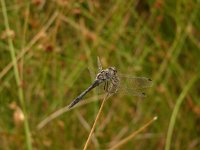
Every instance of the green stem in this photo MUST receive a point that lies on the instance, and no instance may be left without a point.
(17, 78)
(175, 112)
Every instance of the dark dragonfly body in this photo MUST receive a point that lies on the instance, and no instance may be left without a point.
(75, 101)
(106, 75)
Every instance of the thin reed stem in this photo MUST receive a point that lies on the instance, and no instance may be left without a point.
(95, 122)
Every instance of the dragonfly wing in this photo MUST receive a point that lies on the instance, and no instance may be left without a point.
(138, 93)
(99, 64)
(134, 83)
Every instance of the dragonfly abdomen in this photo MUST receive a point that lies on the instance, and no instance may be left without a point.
(80, 97)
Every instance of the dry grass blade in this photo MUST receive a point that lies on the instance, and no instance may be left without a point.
(95, 122)
(85, 124)
(62, 111)
(125, 140)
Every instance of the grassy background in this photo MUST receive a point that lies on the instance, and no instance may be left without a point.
(55, 42)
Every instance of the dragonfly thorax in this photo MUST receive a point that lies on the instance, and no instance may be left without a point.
(106, 74)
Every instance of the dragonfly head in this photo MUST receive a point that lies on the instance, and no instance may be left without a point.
(106, 74)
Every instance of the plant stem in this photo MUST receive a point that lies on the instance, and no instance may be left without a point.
(175, 112)
(95, 122)
(17, 78)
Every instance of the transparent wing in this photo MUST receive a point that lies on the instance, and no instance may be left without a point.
(99, 64)
(135, 86)
(134, 83)
(133, 92)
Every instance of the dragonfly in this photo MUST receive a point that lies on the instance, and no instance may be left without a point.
(114, 82)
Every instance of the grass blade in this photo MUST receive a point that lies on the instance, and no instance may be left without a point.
(175, 112)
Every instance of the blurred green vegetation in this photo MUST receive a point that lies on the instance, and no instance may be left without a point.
(55, 42)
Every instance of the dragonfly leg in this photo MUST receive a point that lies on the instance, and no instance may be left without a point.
(113, 87)
(106, 86)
